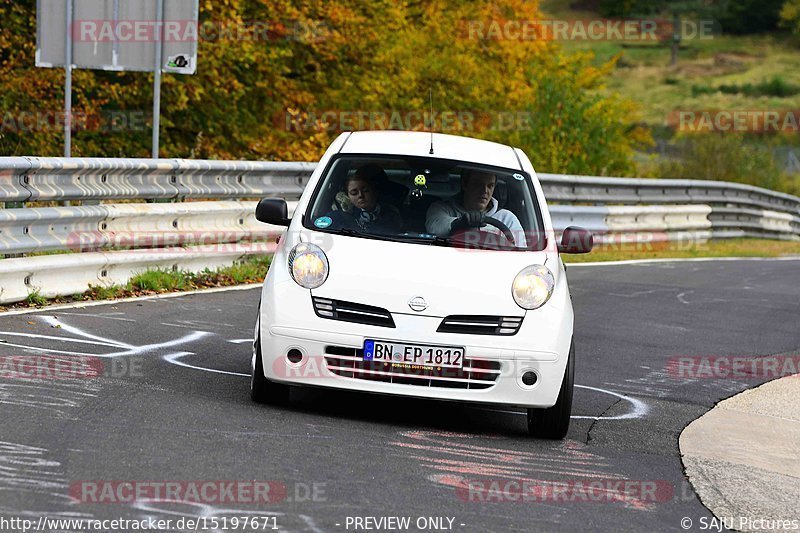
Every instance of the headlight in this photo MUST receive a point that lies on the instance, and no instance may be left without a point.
(308, 265)
(533, 286)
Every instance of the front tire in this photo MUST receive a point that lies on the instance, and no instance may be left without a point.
(553, 422)
(263, 390)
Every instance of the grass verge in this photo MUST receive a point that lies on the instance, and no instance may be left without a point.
(153, 282)
(724, 248)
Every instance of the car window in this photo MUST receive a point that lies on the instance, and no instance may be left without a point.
(427, 201)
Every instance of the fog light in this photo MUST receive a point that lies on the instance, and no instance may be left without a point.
(529, 378)
(294, 356)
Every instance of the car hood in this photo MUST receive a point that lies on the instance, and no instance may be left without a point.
(452, 281)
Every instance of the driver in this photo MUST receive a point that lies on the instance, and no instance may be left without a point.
(471, 207)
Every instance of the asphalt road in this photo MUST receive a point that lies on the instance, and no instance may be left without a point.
(173, 405)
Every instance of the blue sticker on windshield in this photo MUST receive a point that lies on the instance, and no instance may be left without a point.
(519, 177)
(323, 222)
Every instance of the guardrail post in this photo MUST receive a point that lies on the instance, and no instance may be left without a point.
(13, 205)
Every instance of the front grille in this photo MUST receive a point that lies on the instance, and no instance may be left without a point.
(481, 325)
(351, 312)
(348, 362)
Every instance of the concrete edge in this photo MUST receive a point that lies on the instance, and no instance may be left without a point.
(741, 456)
(96, 303)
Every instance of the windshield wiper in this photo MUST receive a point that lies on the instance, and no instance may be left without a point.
(349, 232)
(430, 240)
(450, 242)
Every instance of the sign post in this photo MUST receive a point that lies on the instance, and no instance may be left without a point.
(68, 82)
(158, 65)
(117, 35)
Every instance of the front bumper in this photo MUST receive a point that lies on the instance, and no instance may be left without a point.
(541, 345)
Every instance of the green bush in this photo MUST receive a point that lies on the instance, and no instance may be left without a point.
(776, 86)
(575, 130)
(159, 280)
(35, 298)
(727, 157)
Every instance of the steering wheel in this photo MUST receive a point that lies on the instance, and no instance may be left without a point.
(503, 228)
(506, 231)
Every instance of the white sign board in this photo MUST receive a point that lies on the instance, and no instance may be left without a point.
(118, 34)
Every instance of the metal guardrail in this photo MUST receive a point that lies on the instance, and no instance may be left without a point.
(37, 179)
(627, 191)
(90, 228)
(65, 275)
(178, 235)
(28, 179)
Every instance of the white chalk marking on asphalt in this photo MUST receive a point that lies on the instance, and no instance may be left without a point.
(53, 321)
(53, 337)
(174, 359)
(48, 350)
(639, 293)
(682, 297)
(137, 350)
(640, 409)
(130, 349)
(241, 341)
(171, 325)
(107, 317)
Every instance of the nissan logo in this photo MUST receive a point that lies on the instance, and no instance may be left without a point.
(418, 304)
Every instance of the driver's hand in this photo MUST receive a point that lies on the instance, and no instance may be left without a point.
(470, 219)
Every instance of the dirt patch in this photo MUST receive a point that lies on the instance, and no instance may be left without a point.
(719, 65)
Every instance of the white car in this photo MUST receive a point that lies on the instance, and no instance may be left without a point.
(421, 265)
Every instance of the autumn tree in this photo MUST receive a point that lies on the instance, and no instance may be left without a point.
(268, 70)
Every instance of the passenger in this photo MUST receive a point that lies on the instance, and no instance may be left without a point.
(360, 206)
(471, 207)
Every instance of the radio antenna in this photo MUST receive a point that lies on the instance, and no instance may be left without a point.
(430, 93)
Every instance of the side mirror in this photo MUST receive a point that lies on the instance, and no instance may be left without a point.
(273, 211)
(576, 240)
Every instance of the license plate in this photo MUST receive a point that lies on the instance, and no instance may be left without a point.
(401, 353)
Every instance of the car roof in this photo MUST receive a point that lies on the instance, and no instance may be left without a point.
(418, 143)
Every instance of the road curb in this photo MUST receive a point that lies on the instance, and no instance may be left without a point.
(741, 457)
(95, 303)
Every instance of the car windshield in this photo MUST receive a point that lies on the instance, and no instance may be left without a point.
(427, 201)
